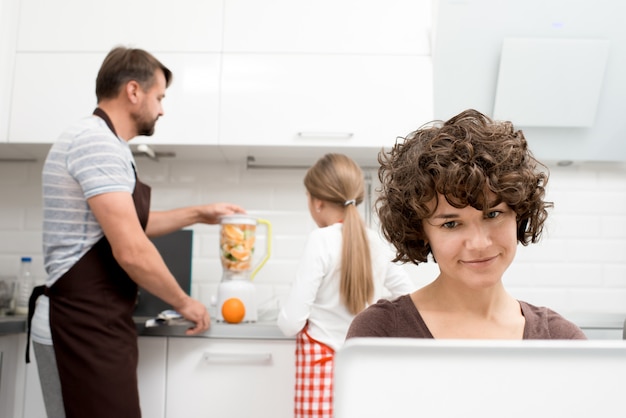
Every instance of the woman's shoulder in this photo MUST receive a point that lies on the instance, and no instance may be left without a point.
(389, 318)
(545, 323)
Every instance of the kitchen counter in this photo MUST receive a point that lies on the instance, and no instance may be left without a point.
(12, 324)
(590, 322)
(256, 330)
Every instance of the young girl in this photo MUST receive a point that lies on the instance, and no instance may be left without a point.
(345, 267)
(466, 191)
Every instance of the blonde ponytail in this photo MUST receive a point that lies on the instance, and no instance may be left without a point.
(337, 179)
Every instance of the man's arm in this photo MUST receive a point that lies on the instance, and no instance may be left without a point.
(137, 255)
(164, 222)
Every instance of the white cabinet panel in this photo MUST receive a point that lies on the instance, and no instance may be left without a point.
(191, 102)
(9, 10)
(230, 378)
(328, 26)
(34, 406)
(53, 90)
(11, 374)
(323, 100)
(154, 25)
(151, 374)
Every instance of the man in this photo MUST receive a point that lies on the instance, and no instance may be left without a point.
(97, 225)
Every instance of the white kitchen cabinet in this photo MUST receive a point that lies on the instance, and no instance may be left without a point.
(323, 100)
(9, 10)
(86, 26)
(150, 373)
(11, 374)
(34, 406)
(53, 90)
(328, 26)
(230, 378)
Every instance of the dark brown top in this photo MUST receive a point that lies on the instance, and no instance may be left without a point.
(401, 319)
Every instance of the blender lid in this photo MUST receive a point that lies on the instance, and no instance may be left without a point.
(238, 218)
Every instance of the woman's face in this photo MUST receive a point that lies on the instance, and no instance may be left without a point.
(472, 248)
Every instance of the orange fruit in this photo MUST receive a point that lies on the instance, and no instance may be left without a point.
(233, 310)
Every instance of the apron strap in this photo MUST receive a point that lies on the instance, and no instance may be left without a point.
(37, 291)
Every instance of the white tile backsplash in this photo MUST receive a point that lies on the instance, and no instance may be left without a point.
(579, 266)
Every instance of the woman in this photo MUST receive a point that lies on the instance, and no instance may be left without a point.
(465, 192)
(345, 267)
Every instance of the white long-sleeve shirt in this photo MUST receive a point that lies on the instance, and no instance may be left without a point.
(315, 295)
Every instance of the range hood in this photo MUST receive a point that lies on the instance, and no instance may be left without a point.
(554, 68)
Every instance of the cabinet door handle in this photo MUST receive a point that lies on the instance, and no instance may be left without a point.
(326, 135)
(233, 358)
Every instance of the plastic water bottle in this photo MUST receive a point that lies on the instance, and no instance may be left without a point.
(25, 284)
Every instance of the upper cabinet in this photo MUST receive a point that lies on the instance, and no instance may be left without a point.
(246, 73)
(59, 88)
(61, 45)
(323, 100)
(154, 25)
(191, 104)
(9, 10)
(50, 91)
(328, 26)
(324, 74)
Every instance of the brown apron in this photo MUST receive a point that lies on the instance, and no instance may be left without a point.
(93, 332)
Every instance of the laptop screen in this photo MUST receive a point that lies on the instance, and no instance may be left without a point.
(176, 250)
(397, 377)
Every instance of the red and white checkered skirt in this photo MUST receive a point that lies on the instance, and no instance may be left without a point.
(314, 378)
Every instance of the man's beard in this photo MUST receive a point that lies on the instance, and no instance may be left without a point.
(145, 125)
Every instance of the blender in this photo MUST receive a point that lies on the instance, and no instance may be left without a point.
(237, 245)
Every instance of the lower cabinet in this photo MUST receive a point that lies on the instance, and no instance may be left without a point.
(230, 378)
(181, 377)
(151, 375)
(150, 371)
(11, 374)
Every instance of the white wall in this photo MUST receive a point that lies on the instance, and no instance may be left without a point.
(579, 266)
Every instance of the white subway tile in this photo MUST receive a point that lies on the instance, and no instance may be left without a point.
(613, 226)
(615, 275)
(579, 265)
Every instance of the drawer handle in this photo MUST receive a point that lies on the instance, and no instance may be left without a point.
(326, 135)
(233, 358)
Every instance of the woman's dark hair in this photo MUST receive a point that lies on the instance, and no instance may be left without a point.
(122, 65)
(467, 159)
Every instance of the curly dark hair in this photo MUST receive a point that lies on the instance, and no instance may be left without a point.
(467, 159)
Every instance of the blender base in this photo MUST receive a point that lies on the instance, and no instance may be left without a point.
(243, 290)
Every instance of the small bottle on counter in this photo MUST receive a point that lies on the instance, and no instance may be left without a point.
(24, 286)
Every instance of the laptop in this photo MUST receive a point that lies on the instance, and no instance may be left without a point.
(176, 249)
(402, 377)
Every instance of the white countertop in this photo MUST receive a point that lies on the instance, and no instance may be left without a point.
(254, 330)
(269, 329)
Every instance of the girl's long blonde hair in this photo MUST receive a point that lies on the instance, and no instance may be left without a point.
(338, 180)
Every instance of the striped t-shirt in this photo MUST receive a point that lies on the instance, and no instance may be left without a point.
(88, 159)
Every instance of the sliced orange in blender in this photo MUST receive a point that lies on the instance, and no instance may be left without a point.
(232, 233)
